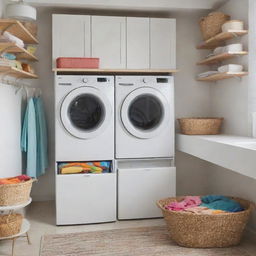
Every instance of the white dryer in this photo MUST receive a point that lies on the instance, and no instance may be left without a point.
(84, 127)
(144, 116)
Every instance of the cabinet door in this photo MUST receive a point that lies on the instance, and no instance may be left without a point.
(109, 41)
(162, 43)
(71, 36)
(137, 43)
(139, 189)
(85, 198)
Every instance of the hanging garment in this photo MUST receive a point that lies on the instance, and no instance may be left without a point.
(29, 140)
(41, 134)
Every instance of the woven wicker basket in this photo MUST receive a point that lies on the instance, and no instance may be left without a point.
(13, 194)
(10, 224)
(211, 24)
(203, 230)
(200, 126)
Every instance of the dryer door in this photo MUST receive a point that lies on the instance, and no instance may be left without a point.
(145, 112)
(85, 112)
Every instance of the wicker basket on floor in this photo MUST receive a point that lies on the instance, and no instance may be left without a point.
(211, 24)
(14, 194)
(205, 230)
(10, 224)
(200, 126)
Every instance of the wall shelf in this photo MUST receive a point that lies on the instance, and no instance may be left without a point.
(115, 71)
(21, 53)
(16, 28)
(221, 57)
(231, 152)
(222, 76)
(15, 72)
(219, 39)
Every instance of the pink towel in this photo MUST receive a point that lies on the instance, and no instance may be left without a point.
(188, 202)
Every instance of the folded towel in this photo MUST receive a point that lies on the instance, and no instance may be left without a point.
(206, 74)
(8, 37)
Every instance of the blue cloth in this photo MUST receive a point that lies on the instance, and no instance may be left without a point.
(29, 139)
(223, 203)
(41, 134)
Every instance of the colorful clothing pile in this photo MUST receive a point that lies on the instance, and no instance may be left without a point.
(88, 167)
(212, 204)
(15, 180)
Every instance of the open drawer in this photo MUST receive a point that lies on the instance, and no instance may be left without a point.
(140, 188)
(85, 198)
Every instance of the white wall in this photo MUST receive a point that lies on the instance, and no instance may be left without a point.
(229, 98)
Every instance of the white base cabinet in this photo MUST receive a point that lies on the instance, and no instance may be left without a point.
(85, 198)
(140, 188)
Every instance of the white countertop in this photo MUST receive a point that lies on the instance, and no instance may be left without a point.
(236, 153)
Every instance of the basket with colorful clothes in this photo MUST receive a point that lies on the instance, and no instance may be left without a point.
(85, 167)
(207, 221)
(15, 190)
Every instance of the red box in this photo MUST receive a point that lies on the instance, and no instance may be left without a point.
(70, 62)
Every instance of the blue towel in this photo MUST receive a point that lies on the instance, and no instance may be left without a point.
(41, 134)
(223, 203)
(29, 139)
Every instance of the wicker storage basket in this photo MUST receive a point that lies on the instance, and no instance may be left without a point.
(203, 230)
(13, 194)
(10, 224)
(211, 24)
(200, 126)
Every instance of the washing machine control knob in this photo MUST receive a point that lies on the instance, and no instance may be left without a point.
(144, 80)
(85, 80)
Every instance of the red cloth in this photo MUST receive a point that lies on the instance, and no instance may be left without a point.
(188, 202)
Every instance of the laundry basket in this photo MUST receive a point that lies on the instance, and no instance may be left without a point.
(211, 24)
(13, 194)
(10, 224)
(205, 230)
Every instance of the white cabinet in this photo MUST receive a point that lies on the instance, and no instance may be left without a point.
(85, 198)
(71, 36)
(109, 41)
(140, 188)
(162, 43)
(137, 43)
(119, 42)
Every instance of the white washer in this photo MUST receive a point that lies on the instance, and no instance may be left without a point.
(84, 118)
(144, 116)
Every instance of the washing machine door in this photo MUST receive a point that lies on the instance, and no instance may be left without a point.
(86, 112)
(145, 113)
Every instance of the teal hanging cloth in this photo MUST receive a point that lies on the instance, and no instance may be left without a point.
(29, 139)
(41, 135)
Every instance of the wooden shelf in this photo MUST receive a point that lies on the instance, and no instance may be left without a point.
(222, 76)
(16, 28)
(116, 71)
(221, 57)
(11, 71)
(220, 38)
(21, 52)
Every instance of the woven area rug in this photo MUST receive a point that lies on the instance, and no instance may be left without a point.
(146, 241)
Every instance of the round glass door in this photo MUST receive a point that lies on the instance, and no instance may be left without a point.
(85, 112)
(145, 112)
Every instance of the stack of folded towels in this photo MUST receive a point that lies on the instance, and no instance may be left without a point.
(88, 167)
(211, 204)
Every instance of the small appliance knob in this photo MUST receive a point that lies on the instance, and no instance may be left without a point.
(85, 80)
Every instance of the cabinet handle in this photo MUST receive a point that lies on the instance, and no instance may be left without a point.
(87, 175)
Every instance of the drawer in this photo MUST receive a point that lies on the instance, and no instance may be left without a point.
(139, 189)
(85, 198)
